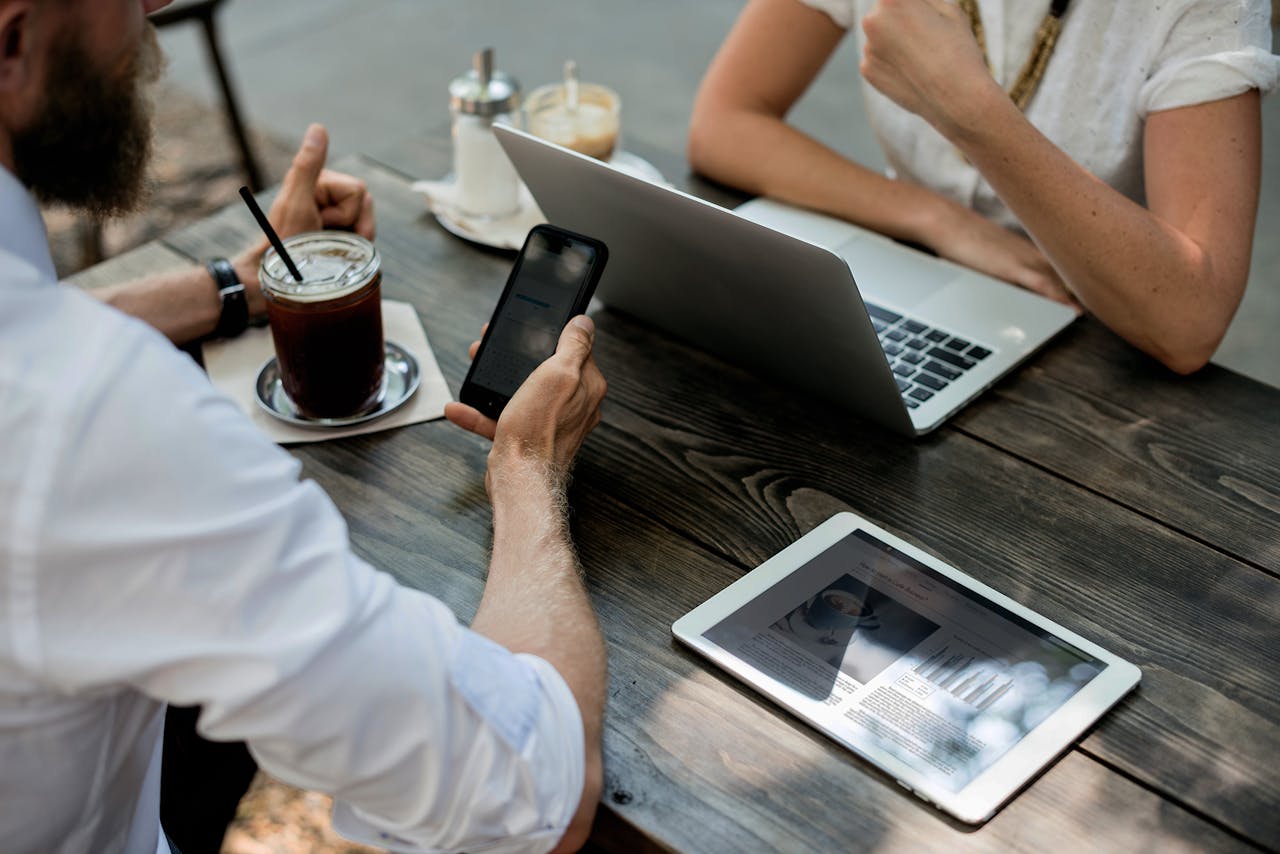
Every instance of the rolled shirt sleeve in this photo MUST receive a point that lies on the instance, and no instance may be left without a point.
(179, 554)
(1215, 49)
(842, 12)
(482, 810)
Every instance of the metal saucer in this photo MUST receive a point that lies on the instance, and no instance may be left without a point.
(400, 379)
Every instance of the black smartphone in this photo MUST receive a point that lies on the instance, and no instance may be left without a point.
(552, 281)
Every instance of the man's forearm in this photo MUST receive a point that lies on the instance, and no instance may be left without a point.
(184, 305)
(534, 600)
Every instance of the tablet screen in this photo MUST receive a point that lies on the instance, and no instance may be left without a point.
(902, 658)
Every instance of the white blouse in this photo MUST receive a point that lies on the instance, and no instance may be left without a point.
(1115, 63)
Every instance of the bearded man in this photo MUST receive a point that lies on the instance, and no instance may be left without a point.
(155, 548)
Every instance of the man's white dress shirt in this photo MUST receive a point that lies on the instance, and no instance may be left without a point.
(1116, 62)
(156, 548)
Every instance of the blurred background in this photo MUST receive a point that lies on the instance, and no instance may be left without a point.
(376, 71)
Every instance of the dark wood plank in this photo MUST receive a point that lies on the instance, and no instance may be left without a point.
(136, 263)
(744, 467)
(747, 472)
(1198, 453)
(756, 779)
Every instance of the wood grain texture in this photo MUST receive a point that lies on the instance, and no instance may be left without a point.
(136, 263)
(756, 779)
(1198, 453)
(700, 471)
(746, 472)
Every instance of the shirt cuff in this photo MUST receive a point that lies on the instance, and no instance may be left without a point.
(556, 744)
(1210, 78)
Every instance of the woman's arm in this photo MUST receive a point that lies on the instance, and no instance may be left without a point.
(1168, 278)
(738, 135)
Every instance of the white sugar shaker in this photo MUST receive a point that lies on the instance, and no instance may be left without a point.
(487, 185)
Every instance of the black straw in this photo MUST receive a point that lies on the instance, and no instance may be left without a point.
(270, 232)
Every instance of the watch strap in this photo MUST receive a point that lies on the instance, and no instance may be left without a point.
(235, 304)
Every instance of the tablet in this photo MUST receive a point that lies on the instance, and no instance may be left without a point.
(958, 692)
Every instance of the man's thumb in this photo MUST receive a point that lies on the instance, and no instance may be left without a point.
(309, 160)
(575, 340)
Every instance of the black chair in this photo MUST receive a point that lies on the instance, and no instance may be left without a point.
(204, 12)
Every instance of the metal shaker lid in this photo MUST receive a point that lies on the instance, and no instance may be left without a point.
(483, 91)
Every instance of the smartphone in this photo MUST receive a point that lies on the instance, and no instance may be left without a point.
(552, 281)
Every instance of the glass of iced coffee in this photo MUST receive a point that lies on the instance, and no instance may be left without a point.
(327, 329)
(588, 123)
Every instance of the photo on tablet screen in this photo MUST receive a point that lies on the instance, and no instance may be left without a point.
(854, 628)
(894, 654)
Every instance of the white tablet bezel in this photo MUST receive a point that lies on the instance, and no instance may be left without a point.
(976, 802)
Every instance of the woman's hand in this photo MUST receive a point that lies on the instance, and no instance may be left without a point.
(923, 56)
(958, 234)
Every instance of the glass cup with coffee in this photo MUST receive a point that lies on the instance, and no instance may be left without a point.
(327, 329)
(583, 116)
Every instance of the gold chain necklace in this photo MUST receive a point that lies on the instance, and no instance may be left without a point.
(1046, 40)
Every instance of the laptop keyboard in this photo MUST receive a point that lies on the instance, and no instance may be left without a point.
(924, 359)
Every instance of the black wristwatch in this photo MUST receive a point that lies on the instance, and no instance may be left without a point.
(235, 305)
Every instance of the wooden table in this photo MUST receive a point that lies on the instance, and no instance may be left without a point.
(1136, 508)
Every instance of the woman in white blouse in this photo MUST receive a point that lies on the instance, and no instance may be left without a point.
(1129, 185)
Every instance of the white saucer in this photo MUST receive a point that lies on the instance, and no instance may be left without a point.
(499, 233)
(400, 379)
(509, 232)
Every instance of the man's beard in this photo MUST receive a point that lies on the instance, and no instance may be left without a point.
(90, 145)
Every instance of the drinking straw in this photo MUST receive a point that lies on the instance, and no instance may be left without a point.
(270, 232)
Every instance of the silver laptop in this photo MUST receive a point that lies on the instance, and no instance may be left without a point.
(772, 288)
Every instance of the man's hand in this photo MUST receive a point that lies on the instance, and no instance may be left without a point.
(551, 414)
(923, 56)
(311, 198)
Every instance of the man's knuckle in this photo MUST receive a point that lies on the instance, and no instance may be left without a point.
(563, 373)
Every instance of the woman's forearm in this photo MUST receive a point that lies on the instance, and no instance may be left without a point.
(1168, 284)
(762, 154)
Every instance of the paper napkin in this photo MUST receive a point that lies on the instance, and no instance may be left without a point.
(233, 366)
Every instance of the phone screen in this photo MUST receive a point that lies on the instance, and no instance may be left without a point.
(540, 299)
